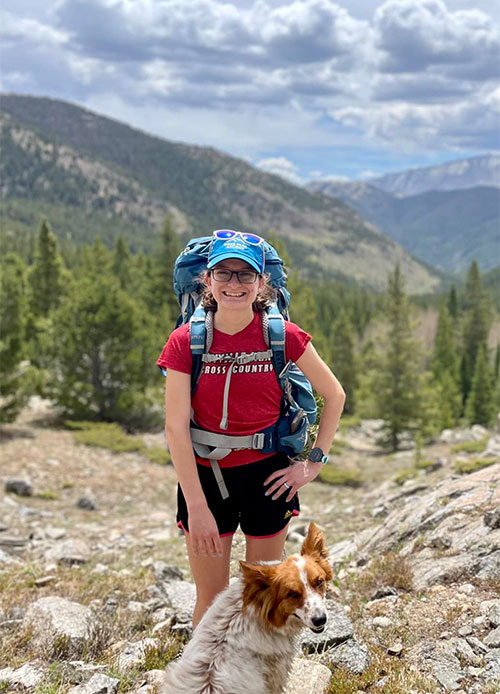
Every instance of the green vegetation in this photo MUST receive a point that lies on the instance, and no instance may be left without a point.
(465, 467)
(470, 446)
(404, 475)
(106, 435)
(332, 474)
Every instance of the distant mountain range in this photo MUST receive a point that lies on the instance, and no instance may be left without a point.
(96, 177)
(454, 175)
(448, 229)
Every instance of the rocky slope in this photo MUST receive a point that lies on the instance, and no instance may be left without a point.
(95, 594)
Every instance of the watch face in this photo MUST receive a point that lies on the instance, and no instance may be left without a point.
(316, 455)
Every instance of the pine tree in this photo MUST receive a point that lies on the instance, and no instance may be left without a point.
(48, 278)
(343, 358)
(453, 303)
(445, 370)
(161, 296)
(397, 380)
(480, 407)
(121, 264)
(16, 377)
(475, 327)
(103, 350)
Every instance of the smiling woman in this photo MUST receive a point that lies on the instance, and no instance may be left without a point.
(238, 394)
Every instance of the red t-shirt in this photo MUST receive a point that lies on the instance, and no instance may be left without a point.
(254, 392)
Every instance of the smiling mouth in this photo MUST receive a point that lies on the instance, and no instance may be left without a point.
(234, 294)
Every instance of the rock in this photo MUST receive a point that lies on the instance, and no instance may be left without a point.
(165, 572)
(19, 486)
(395, 648)
(492, 518)
(338, 629)
(59, 623)
(86, 503)
(28, 675)
(381, 622)
(383, 593)
(448, 678)
(429, 571)
(44, 581)
(181, 595)
(97, 684)
(489, 566)
(134, 653)
(494, 614)
(308, 677)
(350, 655)
(493, 638)
(69, 552)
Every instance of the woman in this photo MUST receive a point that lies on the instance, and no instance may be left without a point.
(262, 487)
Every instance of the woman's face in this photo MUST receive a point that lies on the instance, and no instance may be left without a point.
(233, 295)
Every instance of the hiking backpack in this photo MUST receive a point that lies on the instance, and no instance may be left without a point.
(298, 407)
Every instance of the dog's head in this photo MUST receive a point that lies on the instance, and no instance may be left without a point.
(282, 593)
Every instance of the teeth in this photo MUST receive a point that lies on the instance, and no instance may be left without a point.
(233, 294)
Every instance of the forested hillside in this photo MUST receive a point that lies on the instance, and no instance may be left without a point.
(447, 229)
(93, 177)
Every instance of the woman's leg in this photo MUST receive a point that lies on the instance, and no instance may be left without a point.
(211, 575)
(266, 548)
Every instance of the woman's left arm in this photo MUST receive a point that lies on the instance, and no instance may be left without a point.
(325, 384)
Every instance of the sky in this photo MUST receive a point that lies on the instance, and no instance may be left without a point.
(310, 89)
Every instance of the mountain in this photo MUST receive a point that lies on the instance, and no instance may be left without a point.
(454, 175)
(93, 176)
(447, 229)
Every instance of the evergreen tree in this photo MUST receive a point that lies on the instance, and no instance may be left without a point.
(161, 296)
(343, 358)
(48, 278)
(453, 303)
(475, 327)
(103, 350)
(396, 380)
(480, 407)
(445, 371)
(121, 264)
(16, 376)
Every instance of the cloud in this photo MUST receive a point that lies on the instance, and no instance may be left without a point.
(415, 35)
(429, 126)
(281, 167)
(252, 76)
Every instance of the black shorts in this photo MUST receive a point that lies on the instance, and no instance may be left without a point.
(247, 505)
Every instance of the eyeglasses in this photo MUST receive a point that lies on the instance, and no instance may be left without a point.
(243, 276)
(225, 234)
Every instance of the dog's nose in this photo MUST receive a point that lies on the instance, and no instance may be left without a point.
(319, 620)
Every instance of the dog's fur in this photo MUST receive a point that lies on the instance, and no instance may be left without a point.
(246, 640)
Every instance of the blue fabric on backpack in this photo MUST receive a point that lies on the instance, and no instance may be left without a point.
(298, 406)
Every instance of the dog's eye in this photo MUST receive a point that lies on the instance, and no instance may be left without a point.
(319, 582)
(293, 594)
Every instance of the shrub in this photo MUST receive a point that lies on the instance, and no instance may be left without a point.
(471, 446)
(106, 435)
(464, 467)
(332, 474)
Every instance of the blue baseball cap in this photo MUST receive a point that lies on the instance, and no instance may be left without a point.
(227, 244)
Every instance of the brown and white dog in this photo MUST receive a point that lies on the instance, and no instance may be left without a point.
(246, 640)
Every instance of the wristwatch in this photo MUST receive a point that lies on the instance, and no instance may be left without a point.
(316, 455)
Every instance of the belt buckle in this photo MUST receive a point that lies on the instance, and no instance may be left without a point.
(258, 441)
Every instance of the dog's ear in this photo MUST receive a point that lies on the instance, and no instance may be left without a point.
(314, 544)
(259, 574)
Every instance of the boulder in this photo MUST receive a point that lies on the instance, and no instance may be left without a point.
(57, 623)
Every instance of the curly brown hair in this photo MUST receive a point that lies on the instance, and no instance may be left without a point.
(265, 297)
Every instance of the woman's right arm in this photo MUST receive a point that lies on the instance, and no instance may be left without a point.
(203, 532)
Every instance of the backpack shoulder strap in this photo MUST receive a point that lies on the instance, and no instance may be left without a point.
(273, 325)
(198, 342)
